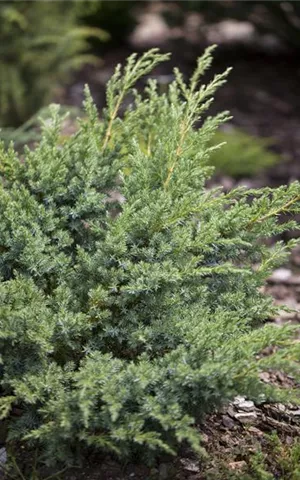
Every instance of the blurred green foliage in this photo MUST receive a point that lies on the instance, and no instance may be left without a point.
(243, 154)
(279, 18)
(41, 43)
(30, 132)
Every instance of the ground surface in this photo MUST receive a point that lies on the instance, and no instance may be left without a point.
(234, 447)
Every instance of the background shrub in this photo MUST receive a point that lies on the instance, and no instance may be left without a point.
(242, 154)
(40, 44)
(131, 300)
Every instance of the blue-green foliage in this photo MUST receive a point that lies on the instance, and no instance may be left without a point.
(131, 298)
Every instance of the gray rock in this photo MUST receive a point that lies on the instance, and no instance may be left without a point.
(295, 413)
(280, 407)
(237, 466)
(265, 377)
(292, 406)
(189, 465)
(227, 421)
(238, 400)
(231, 411)
(246, 417)
(246, 406)
(281, 275)
(256, 431)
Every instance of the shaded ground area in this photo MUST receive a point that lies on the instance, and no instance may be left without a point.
(239, 442)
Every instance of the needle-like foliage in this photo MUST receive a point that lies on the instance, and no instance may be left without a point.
(131, 301)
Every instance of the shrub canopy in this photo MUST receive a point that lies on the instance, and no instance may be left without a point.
(131, 300)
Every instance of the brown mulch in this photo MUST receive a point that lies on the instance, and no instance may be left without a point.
(229, 445)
